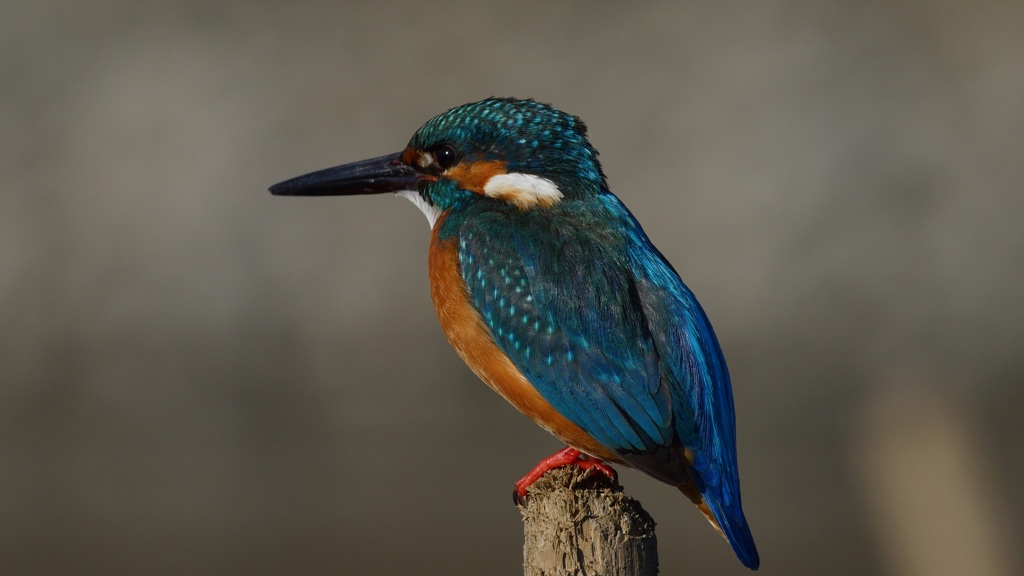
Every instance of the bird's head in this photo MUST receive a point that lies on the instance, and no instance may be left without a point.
(501, 150)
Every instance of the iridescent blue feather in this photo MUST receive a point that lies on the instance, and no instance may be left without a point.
(602, 326)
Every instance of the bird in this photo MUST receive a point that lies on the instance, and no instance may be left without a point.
(551, 292)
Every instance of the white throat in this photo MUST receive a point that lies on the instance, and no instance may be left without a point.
(428, 209)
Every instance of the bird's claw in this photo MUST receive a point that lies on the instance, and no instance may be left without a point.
(565, 457)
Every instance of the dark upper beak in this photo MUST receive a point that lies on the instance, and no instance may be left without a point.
(373, 176)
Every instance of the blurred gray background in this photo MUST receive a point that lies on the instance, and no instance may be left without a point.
(199, 378)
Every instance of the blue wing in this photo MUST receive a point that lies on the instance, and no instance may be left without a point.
(692, 360)
(602, 326)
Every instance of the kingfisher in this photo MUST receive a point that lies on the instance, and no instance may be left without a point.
(551, 292)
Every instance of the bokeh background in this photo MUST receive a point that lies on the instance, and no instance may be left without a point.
(199, 378)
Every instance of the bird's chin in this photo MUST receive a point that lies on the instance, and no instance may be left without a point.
(429, 210)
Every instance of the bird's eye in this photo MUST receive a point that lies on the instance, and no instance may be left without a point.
(445, 156)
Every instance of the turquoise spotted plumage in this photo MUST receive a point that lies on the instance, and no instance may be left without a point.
(556, 297)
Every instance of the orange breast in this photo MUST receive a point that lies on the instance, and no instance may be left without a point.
(471, 338)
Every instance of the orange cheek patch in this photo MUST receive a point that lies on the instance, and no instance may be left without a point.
(474, 176)
(411, 157)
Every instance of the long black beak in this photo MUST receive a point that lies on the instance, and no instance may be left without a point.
(373, 176)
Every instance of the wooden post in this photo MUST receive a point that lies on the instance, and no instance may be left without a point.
(580, 524)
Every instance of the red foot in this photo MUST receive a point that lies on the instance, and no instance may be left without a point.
(567, 456)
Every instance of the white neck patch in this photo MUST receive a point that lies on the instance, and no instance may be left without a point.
(523, 190)
(428, 209)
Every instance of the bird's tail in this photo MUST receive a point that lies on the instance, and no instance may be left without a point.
(729, 521)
